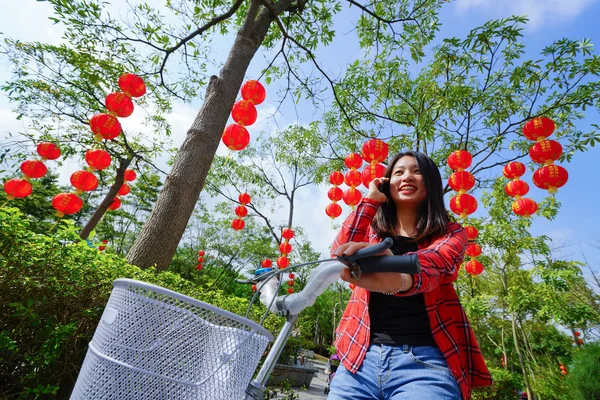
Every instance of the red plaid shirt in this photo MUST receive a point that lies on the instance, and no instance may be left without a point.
(440, 260)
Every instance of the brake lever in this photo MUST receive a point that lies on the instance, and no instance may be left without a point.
(350, 261)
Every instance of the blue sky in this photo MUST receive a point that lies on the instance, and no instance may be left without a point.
(550, 20)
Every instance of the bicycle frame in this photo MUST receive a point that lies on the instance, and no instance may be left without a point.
(289, 306)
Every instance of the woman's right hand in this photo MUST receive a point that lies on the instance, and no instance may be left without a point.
(374, 192)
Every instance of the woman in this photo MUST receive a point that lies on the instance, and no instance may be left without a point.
(406, 336)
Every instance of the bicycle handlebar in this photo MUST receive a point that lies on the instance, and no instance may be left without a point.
(327, 273)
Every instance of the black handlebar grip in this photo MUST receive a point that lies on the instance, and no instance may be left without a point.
(408, 264)
(372, 250)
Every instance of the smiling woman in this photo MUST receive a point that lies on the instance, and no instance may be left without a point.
(419, 337)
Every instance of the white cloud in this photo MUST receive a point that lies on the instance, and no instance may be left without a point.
(538, 11)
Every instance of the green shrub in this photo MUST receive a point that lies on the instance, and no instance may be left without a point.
(584, 373)
(53, 290)
(506, 386)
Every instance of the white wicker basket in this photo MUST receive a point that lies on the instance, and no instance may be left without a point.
(153, 343)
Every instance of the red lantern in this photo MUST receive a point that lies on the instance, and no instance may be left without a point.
(353, 178)
(513, 170)
(266, 263)
(335, 194)
(577, 334)
(17, 188)
(473, 250)
(333, 210)
(459, 160)
(33, 168)
(472, 232)
(291, 276)
(461, 181)
(132, 85)
(98, 159)
(285, 248)
(353, 161)
(48, 151)
(352, 197)
(254, 92)
(550, 177)
(283, 262)
(241, 211)
(129, 175)
(244, 198)
(287, 233)
(336, 178)
(66, 204)
(290, 290)
(290, 283)
(124, 190)
(238, 224)
(84, 181)
(516, 188)
(201, 253)
(199, 267)
(474, 267)
(244, 113)
(200, 259)
(371, 172)
(105, 125)
(374, 151)
(463, 204)
(524, 207)
(538, 128)
(545, 152)
(235, 137)
(115, 204)
(352, 286)
(119, 104)
(254, 288)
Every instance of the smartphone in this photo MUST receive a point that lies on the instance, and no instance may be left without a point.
(385, 188)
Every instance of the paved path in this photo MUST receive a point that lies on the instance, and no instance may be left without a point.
(315, 391)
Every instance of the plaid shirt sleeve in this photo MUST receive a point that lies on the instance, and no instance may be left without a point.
(439, 260)
(357, 226)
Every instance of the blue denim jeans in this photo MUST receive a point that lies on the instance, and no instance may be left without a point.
(397, 373)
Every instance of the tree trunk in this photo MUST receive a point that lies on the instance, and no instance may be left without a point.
(108, 199)
(520, 357)
(160, 235)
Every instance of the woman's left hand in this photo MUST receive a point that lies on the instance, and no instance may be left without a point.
(382, 282)
(376, 282)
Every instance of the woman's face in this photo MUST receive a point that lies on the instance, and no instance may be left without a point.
(407, 187)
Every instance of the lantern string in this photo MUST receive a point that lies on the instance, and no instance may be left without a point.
(52, 227)
(3, 204)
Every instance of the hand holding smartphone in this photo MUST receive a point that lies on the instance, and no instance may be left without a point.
(379, 189)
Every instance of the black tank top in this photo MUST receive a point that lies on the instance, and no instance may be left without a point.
(400, 320)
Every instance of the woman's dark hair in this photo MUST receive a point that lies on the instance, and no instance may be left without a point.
(432, 217)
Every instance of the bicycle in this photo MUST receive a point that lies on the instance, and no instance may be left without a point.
(154, 343)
